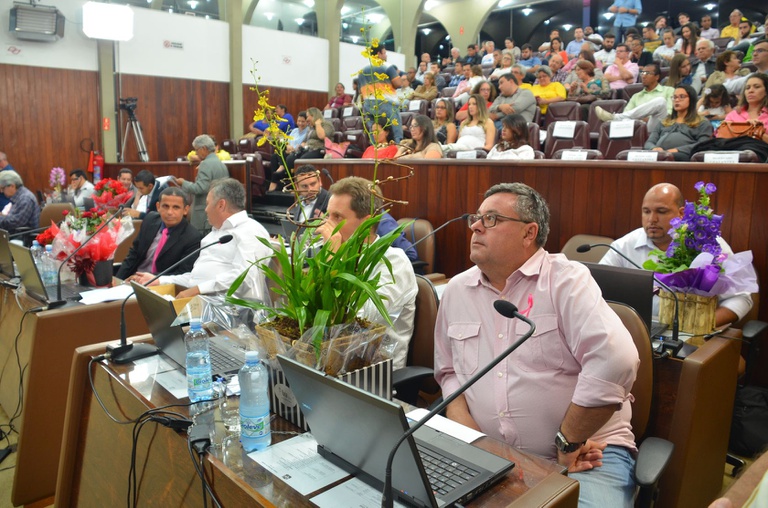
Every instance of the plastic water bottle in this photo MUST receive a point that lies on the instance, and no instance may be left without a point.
(255, 433)
(37, 255)
(50, 267)
(199, 377)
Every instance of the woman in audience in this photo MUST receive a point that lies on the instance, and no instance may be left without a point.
(445, 128)
(679, 72)
(506, 66)
(339, 100)
(474, 76)
(555, 48)
(486, 90)
(666, 51)
(753, 103)
(312, 148)
(547, 91)
(514, 140)
(423, 143)
(477, 131)
(714, 104)
(686, 44)
(427, 91)
(727, 67)
(586, 89)
(384, 148)
(683, 128)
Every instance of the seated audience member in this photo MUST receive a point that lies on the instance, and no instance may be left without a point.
(487, 59)
(705, 52)
(285, 124)
(509, 46)
(148, 197)
(421, 70)
(759, 59)
(622, 72)
(574, 47)
(746, 28)
(486, 90)
(439, 80)
(556, 48)
(683, 128)
(584, 359)
(23, 210)
(546, 91)
(586, 89)
(732, 30)
(666, 51)
(384, 146)
(651, 104)
(651, 40)
(512, 99)
(458, 75)
(477, 131)
(559, 74)
(164, 239)
(423, 143)
(444, 124)
(661, 204)
(753, 103)
(313, 198)
(218, 267)
(350, 201)
(339, 99)
(528, 60)
(686, 44)
(463, 91)
(592, 36)
(638, 54)
(607, 54)
(472, 57)
(427, 91)
(679, 72)
(714, 105)
(4, 166)
(297, 136)
(223, 155)
(404, 91)
(79, 187)
(727, 67)
(506, 66)
(523, 77)
(661, 24)
(210, 169)
(514, 140)
(707, 32)
(125, 177)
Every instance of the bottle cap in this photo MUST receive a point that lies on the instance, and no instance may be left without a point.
(195, 324)
(251, 356)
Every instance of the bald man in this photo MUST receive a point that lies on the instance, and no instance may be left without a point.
(661, 204)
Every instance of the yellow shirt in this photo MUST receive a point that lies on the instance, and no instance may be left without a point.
(731, 31)
(551, 91)
(223, 155)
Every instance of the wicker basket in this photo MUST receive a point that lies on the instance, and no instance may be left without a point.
(696, 313)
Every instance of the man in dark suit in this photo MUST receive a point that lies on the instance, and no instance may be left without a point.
(147, 186)
(314, 199)
(165, 237)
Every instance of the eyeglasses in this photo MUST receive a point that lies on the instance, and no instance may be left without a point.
(759, 50)
(679, 97)
(440, 107)
(645, 73)
(489, 220)
(414, 126)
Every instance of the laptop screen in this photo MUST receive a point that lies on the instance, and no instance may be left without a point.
(28, 273)
(6, 258)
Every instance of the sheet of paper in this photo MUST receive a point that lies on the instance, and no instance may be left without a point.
(564, 129)
(574, 155)
(174, 381)
(353, 493)
(637, 156)
(119, 292)
(298, 464)
(621, 129)
(466, 154)
(447, 426)
(722, 158)
(414, 105)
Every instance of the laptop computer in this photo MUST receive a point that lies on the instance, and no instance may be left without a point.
(356, 430)
(226, 357)
(33, 282)
(6, 258)
(630, 286)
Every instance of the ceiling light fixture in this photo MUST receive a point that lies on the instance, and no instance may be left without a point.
(567, 27)
(527, 11)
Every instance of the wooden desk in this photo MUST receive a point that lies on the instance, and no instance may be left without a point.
(46, 342)
(95, 461)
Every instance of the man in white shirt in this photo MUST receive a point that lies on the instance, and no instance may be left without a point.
(313, 198)
(350, 203)
(705, 51)
(217, 267)
(490, 47)
(80, 187)
(706, 28)
(607, 55)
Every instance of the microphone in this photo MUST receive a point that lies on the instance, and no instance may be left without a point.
(507, 310)
(327, 174)
(28, 231)
(462, 217)
(675, 322)
(59, 302)
(127, 352)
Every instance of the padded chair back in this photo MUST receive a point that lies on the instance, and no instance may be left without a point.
(358, 143)
(610, 147)
(448, 91)
(744, 155)
(589, 153)
(352, 123)
(580, 139)
(247, 145)
(255, 163)
(406, 117)
(591, 256)
(125, 246)
(421, 349)
(721, 43)
(415, 232)
(534, 135)
(538, 154)
(52, 212)
(566, 110)
(479, 153)
(631, 89)
(331, 113)
(229, 146)
(418, 107)
(662, 156)
(610, 105)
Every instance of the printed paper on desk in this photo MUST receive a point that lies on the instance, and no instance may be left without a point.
(621, 129)
(722, 157)
(298, 464)
(466, 154)
(347, 111)
(414, 105)
(564, 129)
(447, 426)
(638, 156)
(353, 493)
(574, 155)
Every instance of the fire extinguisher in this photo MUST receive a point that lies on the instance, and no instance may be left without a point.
(98, 166)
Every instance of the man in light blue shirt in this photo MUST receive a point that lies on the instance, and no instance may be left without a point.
(298, 135)
(625, 15)
(574, 47)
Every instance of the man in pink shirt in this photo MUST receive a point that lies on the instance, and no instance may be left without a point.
(622, 72)
(565, 393)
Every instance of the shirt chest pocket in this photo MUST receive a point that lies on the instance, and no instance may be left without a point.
(465, 343)
(544, 349)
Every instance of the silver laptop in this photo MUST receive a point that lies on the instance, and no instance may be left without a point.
(356, 430)
(33, 282)
(226, 357)
(6, 258)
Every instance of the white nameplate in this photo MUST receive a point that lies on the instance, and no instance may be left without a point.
(574, 155)
(722, 157)
(649, 156)
(621, 129)
(328, 113)
(348, 111)
(466, 154)
(564, 129)
(414, 105)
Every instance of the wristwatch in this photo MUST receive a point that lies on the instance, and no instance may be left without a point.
(563, 445)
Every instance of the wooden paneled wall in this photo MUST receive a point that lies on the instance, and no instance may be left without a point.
(44, 115)
(295, 100)
(601, 198)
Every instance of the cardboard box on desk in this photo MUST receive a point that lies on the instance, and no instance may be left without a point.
(376, 379)
(173, 290)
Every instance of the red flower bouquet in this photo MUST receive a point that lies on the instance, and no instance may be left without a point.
(110, 193)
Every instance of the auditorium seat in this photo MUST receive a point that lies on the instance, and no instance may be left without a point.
(352, 123)
(448, 91)
(566, 110)
(331, 113)
(479, 153)
(348, 111)
(721, 43)
(610, 105)
(247, 145)
(422, 228)
(744, 155)
(580, 138)
(610, 147)
(53, 212)
(631, 89)
(662, 156)
(229, 146)
(258, 174)
(358, 143)
(336, 122)
(418, 107)
(534, 135)
(589, 153)
(538, 154)
(406, 117)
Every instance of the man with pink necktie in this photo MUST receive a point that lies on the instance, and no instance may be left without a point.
(165, 237)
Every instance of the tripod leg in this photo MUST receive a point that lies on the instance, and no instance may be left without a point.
(142, 147)
(125, 141)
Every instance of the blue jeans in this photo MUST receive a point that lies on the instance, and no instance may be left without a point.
(372, 108)
(610, 485)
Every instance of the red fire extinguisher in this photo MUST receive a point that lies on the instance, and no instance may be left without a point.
(98, 166)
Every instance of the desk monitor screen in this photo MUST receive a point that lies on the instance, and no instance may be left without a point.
(6, 259)
(626, 285)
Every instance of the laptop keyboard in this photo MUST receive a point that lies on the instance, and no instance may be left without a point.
(444, 474)
(223, 361)
(657, 329)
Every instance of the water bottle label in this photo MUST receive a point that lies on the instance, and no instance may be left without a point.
(199, 383)
(254, 427)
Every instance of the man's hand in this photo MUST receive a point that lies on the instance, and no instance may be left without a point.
(589, 456)
(189, 293)
(326, 231)
(133, 213)
(179, 181)
(143, 277)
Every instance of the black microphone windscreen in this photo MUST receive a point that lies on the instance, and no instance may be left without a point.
(226, 239)
(465, 216)
(505, 308)
(584, 248)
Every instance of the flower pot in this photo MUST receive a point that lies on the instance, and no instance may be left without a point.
(696, 313)
(100, 276)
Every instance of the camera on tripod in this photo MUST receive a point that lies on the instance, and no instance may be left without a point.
(129, 104)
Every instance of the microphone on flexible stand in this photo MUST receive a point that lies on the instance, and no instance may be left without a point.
(327, 174)
(59, 302)
(507, 310)
(675, 322)
(127, 352)
(462, 217)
